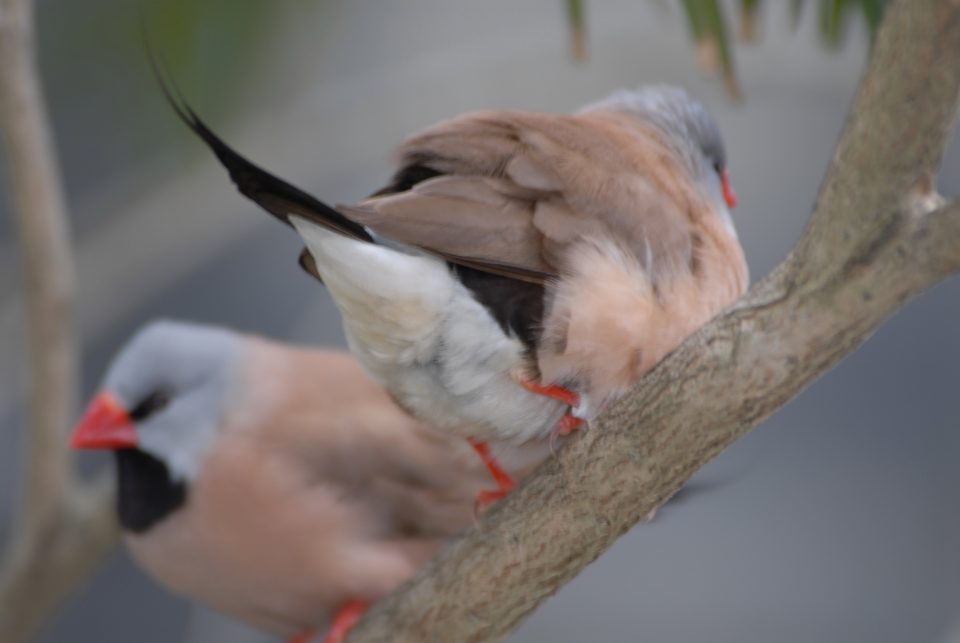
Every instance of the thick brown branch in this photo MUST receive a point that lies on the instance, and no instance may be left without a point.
(60, 528)
(872, 245)
(895, 135)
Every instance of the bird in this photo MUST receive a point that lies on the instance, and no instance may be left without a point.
(521, 270)
(276, 484)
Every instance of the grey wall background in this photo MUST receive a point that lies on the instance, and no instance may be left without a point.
(837, 520)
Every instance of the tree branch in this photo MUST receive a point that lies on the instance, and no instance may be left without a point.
(48, 265)
(63, 527)
(878, 237)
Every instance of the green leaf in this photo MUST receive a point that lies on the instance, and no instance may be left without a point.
(708, 25)
(873, 13)
(748, 19)
(578, 30)
(696, 17)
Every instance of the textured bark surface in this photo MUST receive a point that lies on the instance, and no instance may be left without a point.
(879, 235)
(63, 527)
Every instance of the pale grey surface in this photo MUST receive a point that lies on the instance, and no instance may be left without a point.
(838, 520)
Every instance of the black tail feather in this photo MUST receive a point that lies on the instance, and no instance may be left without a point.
(271, 193)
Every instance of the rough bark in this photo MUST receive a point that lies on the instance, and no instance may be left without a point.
(878, 236)
(63, 527)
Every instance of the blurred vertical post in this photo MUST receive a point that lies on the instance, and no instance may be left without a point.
(62, 528)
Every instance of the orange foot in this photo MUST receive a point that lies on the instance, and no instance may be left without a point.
(303, 637)
(505, 483)
(345, 618)
(568, 423)
(564, 395)
(565, 426)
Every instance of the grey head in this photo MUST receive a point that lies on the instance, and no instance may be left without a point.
(687, 125)
(174, 379)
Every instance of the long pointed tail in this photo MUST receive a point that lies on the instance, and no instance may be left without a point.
(271, 193)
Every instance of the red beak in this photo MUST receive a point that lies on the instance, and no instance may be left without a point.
(104, 425)
(728, 194)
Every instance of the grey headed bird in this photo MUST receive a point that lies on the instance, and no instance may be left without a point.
(522, 269)
(276, 484)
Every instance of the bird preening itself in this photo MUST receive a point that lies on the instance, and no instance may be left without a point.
(276, 484)
(521, 269)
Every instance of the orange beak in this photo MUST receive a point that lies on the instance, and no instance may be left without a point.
(104, 425)
(728, 194)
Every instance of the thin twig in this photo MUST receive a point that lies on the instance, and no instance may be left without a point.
(61, 525)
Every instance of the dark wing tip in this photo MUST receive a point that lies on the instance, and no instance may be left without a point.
(273, 194)
(247, 176)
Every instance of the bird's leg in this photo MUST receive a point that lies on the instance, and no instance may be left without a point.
(345, 618)
(303, 637)
(558, 393)
(569, 422)
(505, 483)
(565, 426)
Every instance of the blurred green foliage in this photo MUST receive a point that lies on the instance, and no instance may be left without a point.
(708, 26)
(707, 21)
(100, 89)
(206, 61)
(578, 29)
(201, 41)
(835, 16)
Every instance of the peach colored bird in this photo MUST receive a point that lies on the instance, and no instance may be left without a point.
(278, 485)
(521, 269)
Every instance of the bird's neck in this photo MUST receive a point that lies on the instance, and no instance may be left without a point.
(146, 492)
(722, 261)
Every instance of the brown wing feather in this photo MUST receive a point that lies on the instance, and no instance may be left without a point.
(478, 221)
(517, 189)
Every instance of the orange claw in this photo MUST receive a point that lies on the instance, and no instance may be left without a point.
(505, 482)
(568, 423)
(345, 618)
(564, 395)
(486, 498)
(303, 637)
(500, 476)
(565, 426)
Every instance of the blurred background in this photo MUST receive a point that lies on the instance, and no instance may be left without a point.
(837, 520)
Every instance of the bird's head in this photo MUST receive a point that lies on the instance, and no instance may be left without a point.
(688, 126)
(163, 395)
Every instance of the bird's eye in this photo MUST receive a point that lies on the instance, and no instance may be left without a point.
(149, 405)
(717, 168)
